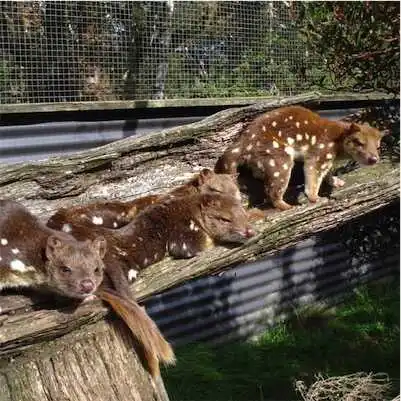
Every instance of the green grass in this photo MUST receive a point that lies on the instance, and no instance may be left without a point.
(362, 335)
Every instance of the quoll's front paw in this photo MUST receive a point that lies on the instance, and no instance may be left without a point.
(314, 198)
(282, 205)
(337, 182)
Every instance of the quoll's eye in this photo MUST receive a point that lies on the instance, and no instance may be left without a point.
(65, 269)
(357, 142)
(225, 219)
(97, 270)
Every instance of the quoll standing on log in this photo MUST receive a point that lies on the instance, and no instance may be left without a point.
(34, 255)
(274, 140)
(115, 214)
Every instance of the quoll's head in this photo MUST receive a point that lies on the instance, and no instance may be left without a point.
(75, 268)
(362, 143)
(224, 219)
(209, 181)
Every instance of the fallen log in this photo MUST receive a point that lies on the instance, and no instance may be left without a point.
(51, 350)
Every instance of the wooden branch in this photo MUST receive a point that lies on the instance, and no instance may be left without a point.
(126, 169)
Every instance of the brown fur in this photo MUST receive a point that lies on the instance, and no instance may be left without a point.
(34, 255)
(115, 214)
(274, 140)
(73, 268)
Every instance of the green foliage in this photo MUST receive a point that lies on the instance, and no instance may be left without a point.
(359, 42)
(362, 335)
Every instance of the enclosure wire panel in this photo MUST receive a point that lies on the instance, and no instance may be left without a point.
(59, 51)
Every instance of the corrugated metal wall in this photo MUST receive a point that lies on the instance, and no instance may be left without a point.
(243, 301)
(39, 141)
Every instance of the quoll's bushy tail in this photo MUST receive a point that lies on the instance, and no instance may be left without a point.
(156, 349)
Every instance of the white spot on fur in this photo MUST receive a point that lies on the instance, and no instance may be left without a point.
(306, 122)
(290, 140)
(305, 148)
(286, 120)
(236, 150)
(306, 136)
(260, 165)
(155, 256)
(276, 145)
(192, 225)
(290, 117)
(115, 224)
(249, 147)
(297, 124)
(330, 145)
(272, 162)
(313, 140)
(279, 133)
(263, 128)
(4, 241)
(281, 179)
(324, 166)
(321, 145)
(257, 143)
(184, 246)
(276, 174)
(97, 220)
(15, 251)
(17, 265)
(289, 150)
(325, 130)
(253, 136)
(233, 164)
(1, 258)
(66, 228)
(285, 166)
(145, 261)
(329, 156)
(268, 151)
(274, 124)
(299, 137)
(132, 274)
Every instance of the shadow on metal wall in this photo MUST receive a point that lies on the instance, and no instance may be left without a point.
(243, 301)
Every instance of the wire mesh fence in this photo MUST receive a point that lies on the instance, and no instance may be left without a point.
(64, 51)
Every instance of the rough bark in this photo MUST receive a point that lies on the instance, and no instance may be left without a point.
(57, 351)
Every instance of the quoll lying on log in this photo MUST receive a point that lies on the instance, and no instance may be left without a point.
(181, 227)
(115, 214)
(274, 140)
(34, 255)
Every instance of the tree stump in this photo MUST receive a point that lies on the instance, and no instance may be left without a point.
(51, 350)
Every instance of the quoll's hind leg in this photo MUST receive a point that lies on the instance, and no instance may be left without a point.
(315, 169)
(277, 176)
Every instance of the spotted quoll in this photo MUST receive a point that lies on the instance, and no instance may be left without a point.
(181, 227)
(273, 141)
(33, 255)
(115, 214)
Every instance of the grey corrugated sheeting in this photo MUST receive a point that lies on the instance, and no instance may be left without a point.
(245, 300)
(39, 141)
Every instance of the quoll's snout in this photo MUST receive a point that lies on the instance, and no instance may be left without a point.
(249, 232)
(372, 160)
(87, 286)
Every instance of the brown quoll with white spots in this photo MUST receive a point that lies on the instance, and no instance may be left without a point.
(274, 140)
(34, 255)
(181, 227)
(115, 214)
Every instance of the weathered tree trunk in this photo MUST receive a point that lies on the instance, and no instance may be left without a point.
(72, 353)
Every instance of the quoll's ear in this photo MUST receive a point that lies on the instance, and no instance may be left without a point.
(354, 128)
(204, 176)
(99, 244)
(385, 132)
(210, 200)
(53, 246)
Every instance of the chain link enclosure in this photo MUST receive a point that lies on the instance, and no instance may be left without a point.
(62, 51)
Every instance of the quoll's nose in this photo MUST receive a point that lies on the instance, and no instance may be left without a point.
(372, 160)
(87, 286)
(249, 232)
